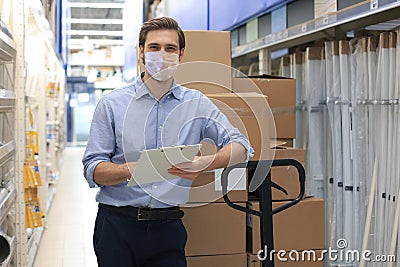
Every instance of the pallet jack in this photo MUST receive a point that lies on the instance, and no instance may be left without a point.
(260, 171)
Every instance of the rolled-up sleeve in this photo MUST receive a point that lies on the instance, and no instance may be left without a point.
(101, 142)
(221, 131)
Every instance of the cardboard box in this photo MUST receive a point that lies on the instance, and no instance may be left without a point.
(248, 112)
(215, 229)
(235, 260)
(286, 177)
(213, 46)
(207, 187)
(253, 261)
(206, 63)
(288, 142)
(281, 94)
(300, 227)
(324, 7)
(282, 152)
(210, 88)
(204, 67)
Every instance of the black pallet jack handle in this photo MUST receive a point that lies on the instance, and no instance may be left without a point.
(266, 212)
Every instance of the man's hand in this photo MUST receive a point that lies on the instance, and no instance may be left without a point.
(228, 155)
(190, 170)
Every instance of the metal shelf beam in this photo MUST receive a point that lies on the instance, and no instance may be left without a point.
(326, 27)
(7, 202)
(7, 47)
(7, 100)
(6, 152)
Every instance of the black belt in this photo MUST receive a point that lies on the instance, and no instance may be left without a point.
(146, 214)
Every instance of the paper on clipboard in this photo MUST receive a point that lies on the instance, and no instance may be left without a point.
(153, 164)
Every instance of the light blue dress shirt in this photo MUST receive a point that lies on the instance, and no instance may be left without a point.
(130, 119)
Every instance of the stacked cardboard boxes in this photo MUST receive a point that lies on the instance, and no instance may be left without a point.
(285, 176)
(249, 113)
(305, 258)
(216, 232)
(299, 228)
(234, 260)
(215, 229)
(207, 187)
(281, 93)
(206, 69)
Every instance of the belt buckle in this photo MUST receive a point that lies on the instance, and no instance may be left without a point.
(139, 215)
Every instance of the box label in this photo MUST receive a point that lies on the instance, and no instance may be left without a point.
(236, 179)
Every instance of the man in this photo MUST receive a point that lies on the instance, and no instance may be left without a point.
(141, 225)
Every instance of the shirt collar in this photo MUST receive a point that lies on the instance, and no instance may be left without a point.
(141, 89)
(176, 90)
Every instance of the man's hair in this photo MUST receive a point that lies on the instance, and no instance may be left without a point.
(163, 23)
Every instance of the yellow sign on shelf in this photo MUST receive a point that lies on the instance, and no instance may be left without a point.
(33, 140)
(33, 215)
(32, 176)
(31, 195)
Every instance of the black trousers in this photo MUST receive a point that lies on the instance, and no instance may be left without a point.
(123, 241)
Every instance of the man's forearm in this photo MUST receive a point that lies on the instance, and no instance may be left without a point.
(230, 154)
(108, 173)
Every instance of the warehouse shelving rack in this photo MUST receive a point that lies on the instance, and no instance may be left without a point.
(330, 26)
(45, 86)
(7, 146)
(353, 21)
(19, 93)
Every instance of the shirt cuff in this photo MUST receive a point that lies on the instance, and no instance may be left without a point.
(247, 146)
(90, 173)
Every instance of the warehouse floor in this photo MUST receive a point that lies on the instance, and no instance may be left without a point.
(67, 239)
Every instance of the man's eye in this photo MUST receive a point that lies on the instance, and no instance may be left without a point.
(170, 49)
(153, 47)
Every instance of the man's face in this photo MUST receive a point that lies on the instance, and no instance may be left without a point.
(162, 40)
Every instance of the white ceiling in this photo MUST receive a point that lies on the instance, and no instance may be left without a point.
(95, 21)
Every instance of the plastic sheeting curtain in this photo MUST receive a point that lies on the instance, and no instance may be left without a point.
(315, 84)
(361, 171)
(353, 164)
(284, 69)
(297, 68)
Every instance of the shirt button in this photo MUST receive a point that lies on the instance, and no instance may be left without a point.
(155, 187)
(151, 205)
(160, 126)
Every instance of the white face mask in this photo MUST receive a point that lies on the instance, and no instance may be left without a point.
(161, 65)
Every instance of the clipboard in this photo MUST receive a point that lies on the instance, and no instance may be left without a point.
(153, 164)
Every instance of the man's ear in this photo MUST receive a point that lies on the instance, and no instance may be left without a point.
(141, 53)
(181, 54)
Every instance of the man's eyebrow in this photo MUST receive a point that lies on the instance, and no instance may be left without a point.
(174, 45)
